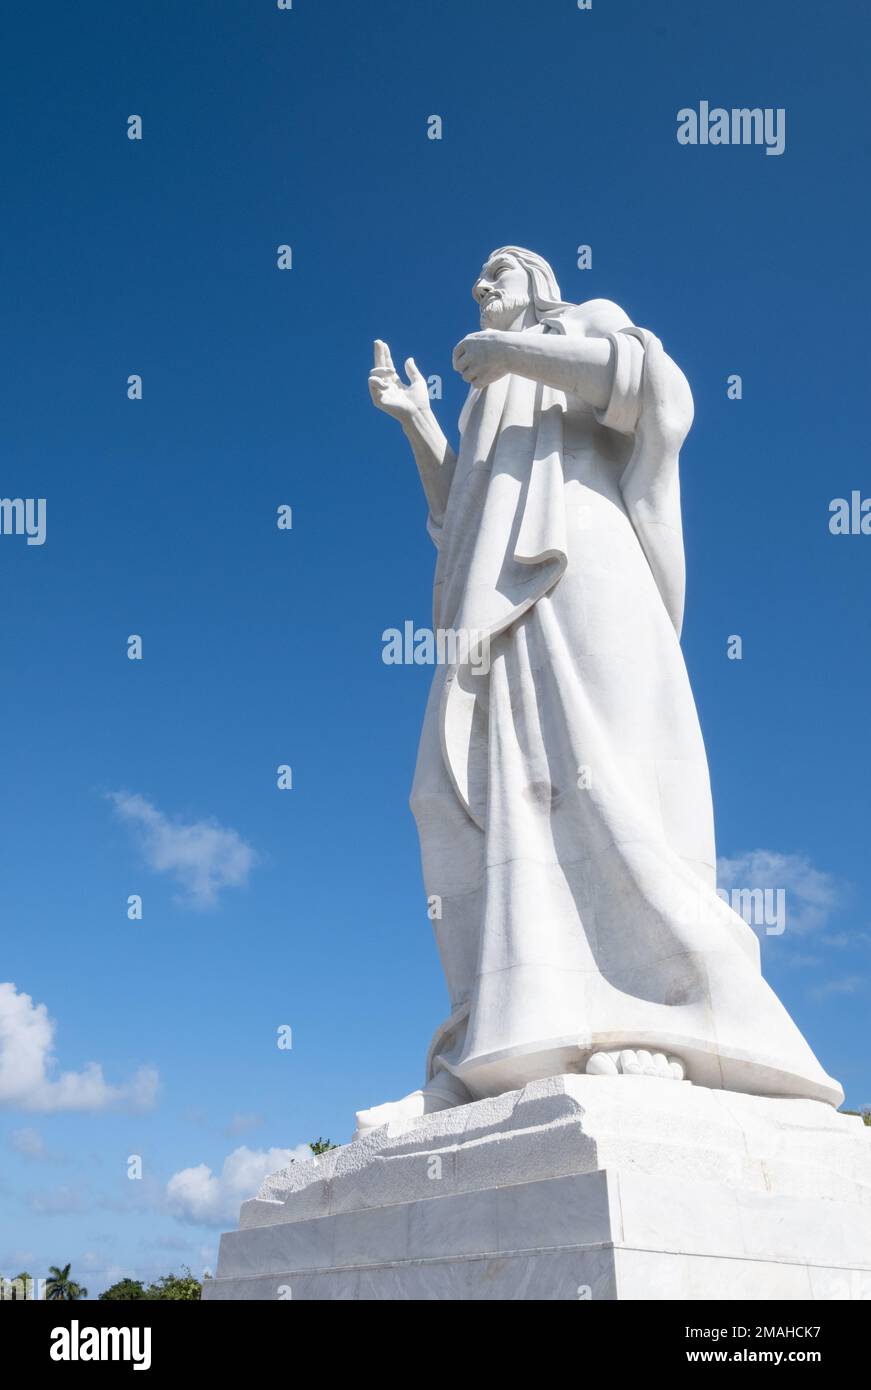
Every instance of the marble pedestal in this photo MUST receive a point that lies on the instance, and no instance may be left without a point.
(575, 1187)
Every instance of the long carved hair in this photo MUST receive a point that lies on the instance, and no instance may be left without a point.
(546, 295)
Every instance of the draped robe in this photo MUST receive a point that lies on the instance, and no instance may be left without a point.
(562, 798)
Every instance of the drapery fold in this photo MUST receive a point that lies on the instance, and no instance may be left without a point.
(562, 796)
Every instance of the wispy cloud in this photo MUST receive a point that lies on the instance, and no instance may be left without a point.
(29, 1143)
(203, 856)
(846, 984)
(205, 1198)
(27, 1064)
(59, 1201)
(241, 1124)
(811, 894)
(861, 938)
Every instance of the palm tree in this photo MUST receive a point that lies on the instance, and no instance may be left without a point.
(24, 1286)
(61, 1287)
(14, 1289)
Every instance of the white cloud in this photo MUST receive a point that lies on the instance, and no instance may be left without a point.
(203, 856)
(200, 1196)
(28, 1142)
(811, 894)
(240, 1123)
(27, 1064)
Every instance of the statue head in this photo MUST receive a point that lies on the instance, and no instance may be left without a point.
(515, 286)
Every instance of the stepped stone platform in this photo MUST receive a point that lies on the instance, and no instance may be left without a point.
(576, 1187)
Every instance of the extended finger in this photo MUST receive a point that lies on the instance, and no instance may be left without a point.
(382, 355)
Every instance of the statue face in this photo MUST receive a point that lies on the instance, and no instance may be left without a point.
(502, 291)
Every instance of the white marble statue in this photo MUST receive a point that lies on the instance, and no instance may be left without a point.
(562, 798)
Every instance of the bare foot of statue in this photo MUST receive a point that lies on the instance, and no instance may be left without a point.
(442, 1093)
(628, 1062)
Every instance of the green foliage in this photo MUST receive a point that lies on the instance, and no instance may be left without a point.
(61, 1288)
(176, 1286)
(17, 1290)
(124, 1291)
(320, 1146)
(168, 1286)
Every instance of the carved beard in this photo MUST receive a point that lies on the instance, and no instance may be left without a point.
(501, 310)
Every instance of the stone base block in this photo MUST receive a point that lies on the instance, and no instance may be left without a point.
(578, 1187)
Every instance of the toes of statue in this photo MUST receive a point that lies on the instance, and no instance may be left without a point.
(635, 1062)
(602, 1064)
(629, 1063)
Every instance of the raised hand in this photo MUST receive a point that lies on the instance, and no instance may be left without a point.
(389, 392)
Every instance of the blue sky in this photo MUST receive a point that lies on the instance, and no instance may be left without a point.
(261, 646)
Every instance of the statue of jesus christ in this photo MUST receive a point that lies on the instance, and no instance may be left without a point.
(562, 797)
